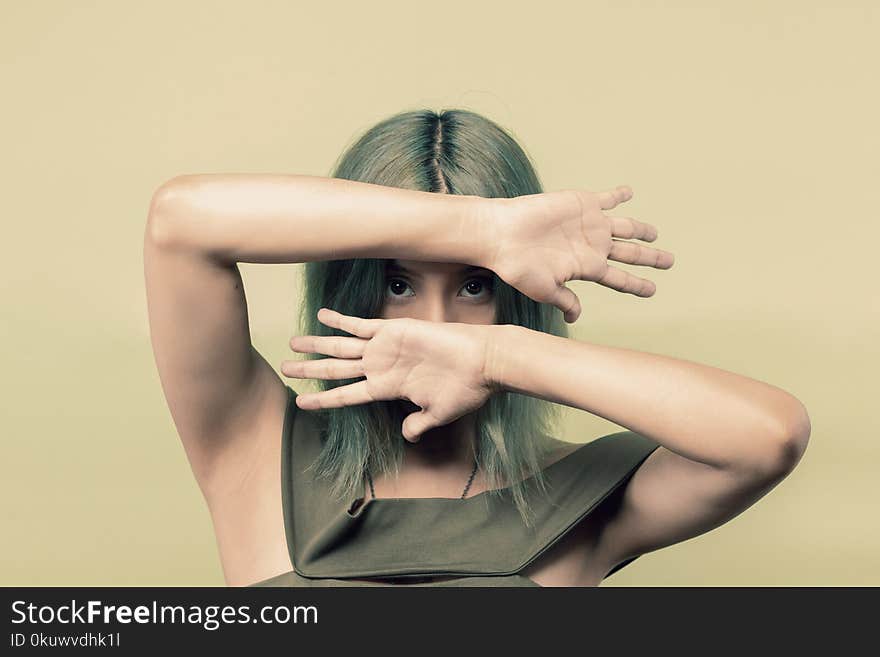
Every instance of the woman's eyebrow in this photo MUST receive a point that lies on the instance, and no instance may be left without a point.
(473, 268)
(399, 269)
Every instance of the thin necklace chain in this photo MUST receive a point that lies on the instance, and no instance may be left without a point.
(463, 495)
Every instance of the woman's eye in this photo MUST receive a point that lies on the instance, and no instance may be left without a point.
(474, 287)
(398, 285)
(477, 285)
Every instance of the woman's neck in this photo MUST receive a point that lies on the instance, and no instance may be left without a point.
(443, 447)
(439, 465)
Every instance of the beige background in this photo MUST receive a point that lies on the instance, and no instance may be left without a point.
(747, 130)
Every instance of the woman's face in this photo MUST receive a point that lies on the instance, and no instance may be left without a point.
(439, 292)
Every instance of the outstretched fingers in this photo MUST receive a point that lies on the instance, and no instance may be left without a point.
(622, 281)
(630, 229)
(633, 253)
(365, 328)
(351, 395)
(614, 197)
(331, 345)
(325, 368)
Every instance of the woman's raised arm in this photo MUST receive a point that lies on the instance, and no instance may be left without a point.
(276, 218)
(227, 402)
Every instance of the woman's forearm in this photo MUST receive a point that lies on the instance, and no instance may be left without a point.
(700, 412)
(286, 218)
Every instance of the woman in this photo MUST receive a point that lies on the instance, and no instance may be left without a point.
(434, 320)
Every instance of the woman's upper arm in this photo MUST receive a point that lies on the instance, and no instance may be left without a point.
(220, 391)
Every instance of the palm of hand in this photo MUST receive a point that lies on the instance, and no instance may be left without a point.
(437, 365)
(541, 241)
(551, 240)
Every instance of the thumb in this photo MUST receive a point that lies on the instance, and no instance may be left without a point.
(415, 425)
(568, 302)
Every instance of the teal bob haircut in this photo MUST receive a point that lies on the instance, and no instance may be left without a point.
(453, 152)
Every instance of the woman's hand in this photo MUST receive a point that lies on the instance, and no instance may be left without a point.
(440, 366)
(541, 241)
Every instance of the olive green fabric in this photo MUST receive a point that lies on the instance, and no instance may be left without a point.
(475, 541)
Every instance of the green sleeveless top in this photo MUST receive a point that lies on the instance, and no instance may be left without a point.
(468, 542)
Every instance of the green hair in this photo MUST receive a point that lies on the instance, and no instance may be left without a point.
(453, 152)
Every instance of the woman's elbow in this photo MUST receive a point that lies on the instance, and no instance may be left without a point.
(795, 436)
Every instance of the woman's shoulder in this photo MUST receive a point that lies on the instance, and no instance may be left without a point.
(556, 449)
